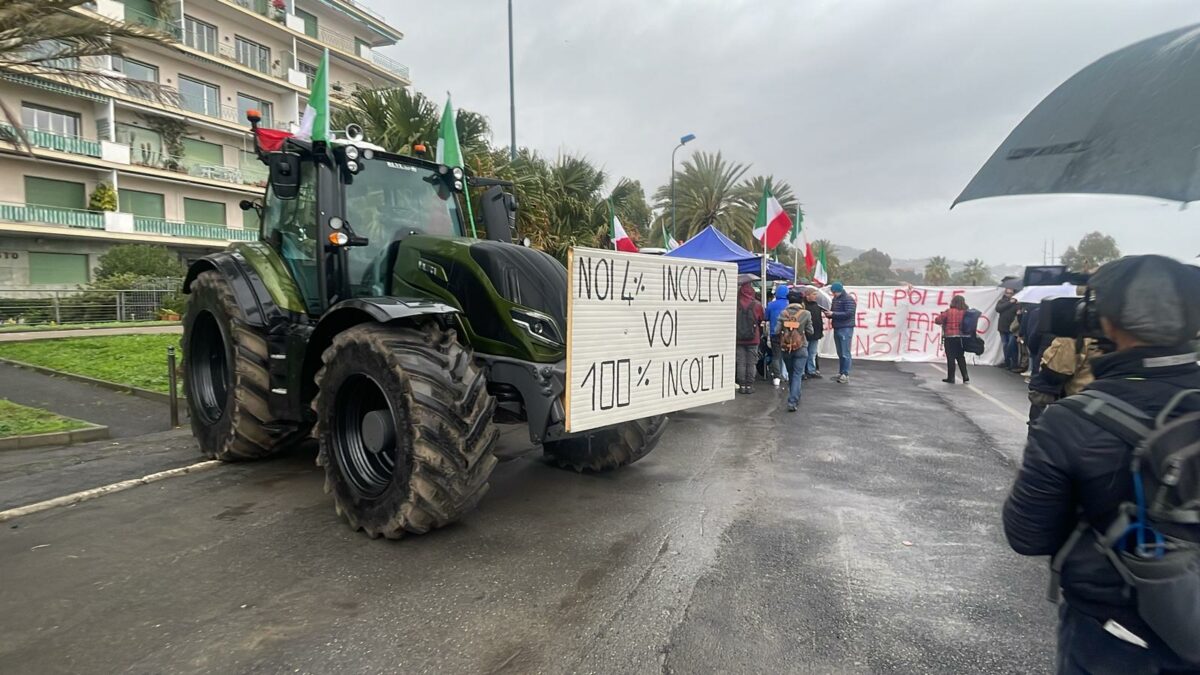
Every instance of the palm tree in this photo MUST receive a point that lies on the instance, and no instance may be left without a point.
(49, 39)
(396, 119)
(706, 192)
(937, 271)
(976, 273)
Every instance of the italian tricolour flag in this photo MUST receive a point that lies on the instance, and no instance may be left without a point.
(772, 225)
(821, 274)
(314, 124)
(669, 242)
(616, 230)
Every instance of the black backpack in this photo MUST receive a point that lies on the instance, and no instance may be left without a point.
(1155, 541)
(745, 323)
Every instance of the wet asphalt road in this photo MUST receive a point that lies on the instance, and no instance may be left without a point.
(858, 535)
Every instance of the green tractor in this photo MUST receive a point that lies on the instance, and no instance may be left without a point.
(366, 318)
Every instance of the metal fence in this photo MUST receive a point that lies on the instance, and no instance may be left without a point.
(33, 307)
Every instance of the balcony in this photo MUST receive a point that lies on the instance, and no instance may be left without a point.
(74, 145)
(155, 159)
(269, 8)
(171, 228)
(391, 65)
(169, 26)
(51, 215)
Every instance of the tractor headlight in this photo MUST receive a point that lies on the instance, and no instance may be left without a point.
(539, 326)
(458, 185)
(352, 166)
(457, 173)
(351, 152)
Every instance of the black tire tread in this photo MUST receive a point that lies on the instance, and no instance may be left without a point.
(609, 448)
(451, 426)
(250, 436)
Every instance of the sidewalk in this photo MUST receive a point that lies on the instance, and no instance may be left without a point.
(123, 414)
(86, 332)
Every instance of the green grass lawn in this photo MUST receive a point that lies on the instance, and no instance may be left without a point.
(18, 420)
(134, 360)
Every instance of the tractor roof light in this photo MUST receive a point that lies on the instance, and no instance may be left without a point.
(458, 173)
(338, 238)
(458, 185)
(351, 152)
(352, 166)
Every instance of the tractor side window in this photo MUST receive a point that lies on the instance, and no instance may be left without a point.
(290, 227)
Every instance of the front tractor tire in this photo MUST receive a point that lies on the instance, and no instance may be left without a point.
(226, 378)
(609, 448)
(405, 428)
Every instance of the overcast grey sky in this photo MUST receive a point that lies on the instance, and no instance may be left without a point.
(878, 112)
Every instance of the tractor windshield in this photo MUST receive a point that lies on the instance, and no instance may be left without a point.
(387, 202)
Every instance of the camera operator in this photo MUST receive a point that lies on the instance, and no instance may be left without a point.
(1065, 370)
(1074, 471)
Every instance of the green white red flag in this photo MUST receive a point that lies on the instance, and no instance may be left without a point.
(821, 274)
(772, 225)
(669, 242)
(314, 124)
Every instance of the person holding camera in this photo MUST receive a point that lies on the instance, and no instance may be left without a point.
(1076, 484)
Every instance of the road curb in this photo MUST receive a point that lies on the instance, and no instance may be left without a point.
(114, 386)
(92, 432)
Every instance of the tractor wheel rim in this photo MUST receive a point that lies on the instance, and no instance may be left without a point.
(208, 368)
(364, 436)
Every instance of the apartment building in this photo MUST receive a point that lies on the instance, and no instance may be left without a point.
(179, 168)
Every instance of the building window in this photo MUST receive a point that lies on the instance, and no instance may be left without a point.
(252, 55)
(135, 70)
(310, 22)
(63, 194)
(203, 211)
(310, 73)
(199, 35)
(200, 97)
(251, 103)
(254, 172)
(58, 268)
(142, 204)
(201, 157)
(40, 118)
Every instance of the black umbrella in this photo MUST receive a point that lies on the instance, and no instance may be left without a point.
(1015, 283)
(1127, 124)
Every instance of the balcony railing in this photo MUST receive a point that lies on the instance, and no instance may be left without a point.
(365, 10)
(169, 26)
(172, 228)
(206, 106)
(148, 156)
(336, 39)
(266, 8)
(60, 142)
(51, 215)
(391, 65)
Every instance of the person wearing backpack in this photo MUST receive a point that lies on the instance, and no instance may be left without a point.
(795, 328)
(1109, 485)
(953, 335)
(749, 322)
(774, 307)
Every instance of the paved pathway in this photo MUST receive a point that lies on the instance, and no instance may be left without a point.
(86, 332)
(123, 414)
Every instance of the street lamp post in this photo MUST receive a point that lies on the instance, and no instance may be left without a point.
(682, 142)
(512, 89)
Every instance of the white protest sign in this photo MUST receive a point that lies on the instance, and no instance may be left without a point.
(646, 335)
(895, 323)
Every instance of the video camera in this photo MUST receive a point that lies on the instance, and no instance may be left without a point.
(1065, 317)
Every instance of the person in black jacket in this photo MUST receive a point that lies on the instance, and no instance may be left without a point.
(1006, 310)
(812, 304)
(1073, 470)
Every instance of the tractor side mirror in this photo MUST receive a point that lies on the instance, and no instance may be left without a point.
(284, 174)
(499, 214)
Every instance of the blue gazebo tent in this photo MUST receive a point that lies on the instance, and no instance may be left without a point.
(711, 244)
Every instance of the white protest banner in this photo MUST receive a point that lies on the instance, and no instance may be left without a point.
(895, 323)
(646, 335)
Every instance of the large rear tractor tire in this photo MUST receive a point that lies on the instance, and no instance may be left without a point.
(609, 448)
(405, 427)
(225, 377)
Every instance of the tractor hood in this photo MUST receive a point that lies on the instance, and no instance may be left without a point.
(513, 299)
